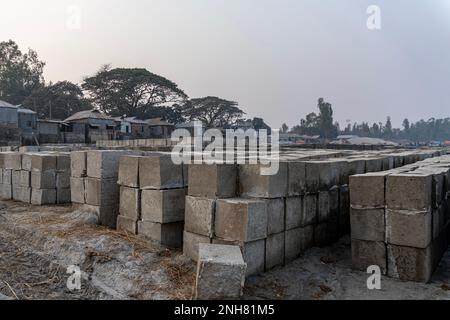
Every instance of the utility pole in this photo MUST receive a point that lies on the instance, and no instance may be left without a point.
(50, 105)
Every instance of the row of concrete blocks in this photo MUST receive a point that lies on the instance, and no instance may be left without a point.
(136, 143)
(270, 232)
(36, 178)
(400, 219)
(152, 198)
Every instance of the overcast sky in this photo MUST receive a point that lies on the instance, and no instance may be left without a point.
(275, 57)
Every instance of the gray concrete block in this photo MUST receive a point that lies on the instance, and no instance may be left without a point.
(294, 212)
(5, 191)
(12, 161)
(159, 172)
(62, 180)
(26, 161)
(275, 250)
(21, 194)
(368, 224)
(127, 224)
(253, 252)
(323, 211)
(253, 184)
(191, 242)
(409, 228)
(356, 166)
(409, 191)
(63, 195)
(322, 237)
(199, 216)
(129, 171)
(166, 234)
(41, 197)
(41, 162)
(163, 206)
(310, 207)
(107, 215)
(24, 179)
(7, 176)
(344, 210)
(78, 164)
(220, 272)
(374, 164)
(369, 253)
(63, 162)
(329, 172)
(410, 264)
(275, 216)
(368, 190)
(102, 192)
(296, 178)
(241, 219)
(213, 181)
(130, 203)
(15, 177)
(77, 190)
(298, 241)
(312, 176)
(43, 180)
(105, 163)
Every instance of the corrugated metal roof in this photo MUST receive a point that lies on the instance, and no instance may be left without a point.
(88, 114)
(158, 122)
(24, 110)
(4, 104)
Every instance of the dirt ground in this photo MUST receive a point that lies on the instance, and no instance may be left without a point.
(37, 244)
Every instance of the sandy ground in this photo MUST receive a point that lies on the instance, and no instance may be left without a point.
(37, 244)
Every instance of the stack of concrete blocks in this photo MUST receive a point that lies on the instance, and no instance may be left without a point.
(152, 198)
(400, 219)
(93, 182)
(220, 272)
(36, 178)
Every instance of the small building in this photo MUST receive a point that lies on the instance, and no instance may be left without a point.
(50, 131)
(123, 129)
(139, 128)
(89, 126)
(160, 129)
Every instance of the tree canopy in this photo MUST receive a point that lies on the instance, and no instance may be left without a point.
(131, 92)
(212, 111)
(20, 73)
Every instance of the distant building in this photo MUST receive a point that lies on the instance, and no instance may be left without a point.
(50, 131)
(17, 124)
(88, 127)
(160, 128)
(362, 141)
(139, 128)
(295, 138)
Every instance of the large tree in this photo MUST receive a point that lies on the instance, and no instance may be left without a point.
(57, 101)
(212, 111)
(131, 92)
(20, 73)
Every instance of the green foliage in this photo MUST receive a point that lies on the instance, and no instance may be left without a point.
(319, 124)
(212, 111)
(20, 73)
(131, 92)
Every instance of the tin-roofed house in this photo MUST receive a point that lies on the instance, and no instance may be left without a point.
(160, 129)
(89, 126)
(9, 124)
(27, 122)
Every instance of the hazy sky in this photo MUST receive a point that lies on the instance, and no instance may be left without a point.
(275, 57)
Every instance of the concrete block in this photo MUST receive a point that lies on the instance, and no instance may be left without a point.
(7, 176)
(323, 211)
(253, 252)
(310, 203)
(78, 164)
(16, 177)
(199, 216)
(130, 203)
(163, 206)
(77, 190)
(275, 250)
(344, 210)
(159, 172)
(328, 172)
(127, 224)
(312, 176)
(369, 253)
(275, 216)
(212, 181)
(409, 191)
(41, 162)
(12, 161)
(5, 191)
(1, 176)
(410, 264)
(374, 164)
(296, 178)
(356, 166)
(220, 272)
(102, 192)
(63, 162)
(191, 242)
(241, 219)
(294, 213)
(107, 215)
(63, 195)
(409, 228)
(322, 237)
(41, 197)
(368, 224)
(24, 179)
(298, 241)
(368, 190)
(26, 161)
(43, 179)
(62, 180)
(129, 171)
(104, 163)
(167, 234)
(21, 194)
(253, 184)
